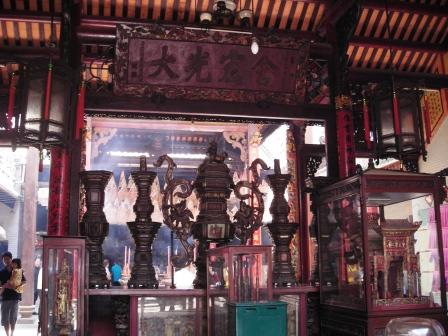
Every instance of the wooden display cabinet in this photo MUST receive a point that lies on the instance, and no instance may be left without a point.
(378, 259)
(236, 274)
(63, 283)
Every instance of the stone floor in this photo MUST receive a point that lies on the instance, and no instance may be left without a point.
(28, 329)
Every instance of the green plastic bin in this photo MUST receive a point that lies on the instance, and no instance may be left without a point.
(257, 318)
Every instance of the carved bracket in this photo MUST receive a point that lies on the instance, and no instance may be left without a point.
(237, 140)
(312, 165)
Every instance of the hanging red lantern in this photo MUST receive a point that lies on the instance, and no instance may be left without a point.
(46, 101)
(398, 127)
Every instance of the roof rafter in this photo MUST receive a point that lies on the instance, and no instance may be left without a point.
(428, 80)
(26, 16)
(407, 7)
(395, 44)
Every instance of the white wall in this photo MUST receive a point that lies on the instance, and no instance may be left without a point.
(437, 151)
(9, 220)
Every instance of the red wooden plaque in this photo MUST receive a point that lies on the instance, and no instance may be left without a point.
(197, 64)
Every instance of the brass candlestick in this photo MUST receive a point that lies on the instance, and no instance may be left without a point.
(281, 229)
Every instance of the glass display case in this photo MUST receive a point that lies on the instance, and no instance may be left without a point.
(236, 274)
(379, 255)
(180, 315)
(63, 277)
(241, 273)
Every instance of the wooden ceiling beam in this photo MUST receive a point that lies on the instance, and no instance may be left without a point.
(23, 16)
(102, 31)
(333, 14)
(424, 80)
(22, 54)
(407, 7)
(395, 44)
(216, 110)
(107, 26)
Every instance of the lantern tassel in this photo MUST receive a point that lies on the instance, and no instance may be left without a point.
(11, 102)
(396, 115)
(48, 92)
(41, 161)
(365, 111)
(80, 111)
(427, 119)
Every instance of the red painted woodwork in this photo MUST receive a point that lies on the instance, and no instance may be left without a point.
(80, 110)
(346, 139)
(427, 119)
(59, 192)
(365, 109)
(48, 92)
(11, 101)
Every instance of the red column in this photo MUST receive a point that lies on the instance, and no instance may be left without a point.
(59, 192)
(345, 135)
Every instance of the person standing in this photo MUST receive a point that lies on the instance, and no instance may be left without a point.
(37, 268)
(116, 271)
(106, 265)
(10, 297)
(15, 281)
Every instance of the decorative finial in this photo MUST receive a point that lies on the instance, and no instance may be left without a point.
(213, 155)
(143, 166)
(277, 170)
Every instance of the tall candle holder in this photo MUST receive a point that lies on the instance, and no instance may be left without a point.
(94, 224)
(281, 229)
(143, 230)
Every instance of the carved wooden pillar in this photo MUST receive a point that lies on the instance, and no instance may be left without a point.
(143, 230)
(281, 229)
(59, 192)
(94, 224)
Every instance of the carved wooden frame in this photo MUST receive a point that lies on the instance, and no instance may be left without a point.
(126, 32)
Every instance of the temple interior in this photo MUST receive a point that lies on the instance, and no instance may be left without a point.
(224, 167)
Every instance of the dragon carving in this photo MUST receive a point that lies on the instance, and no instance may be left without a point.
(249, 217)
(176, 215)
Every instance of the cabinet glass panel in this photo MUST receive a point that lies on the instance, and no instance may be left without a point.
(63, 283)
(242, 273)
(403, 250)
(342, 255)
(170, 316)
